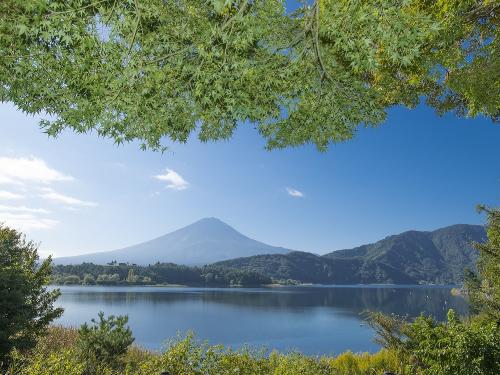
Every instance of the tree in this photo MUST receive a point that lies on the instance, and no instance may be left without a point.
(26, 306)
(148, 69)
(106, 279)
(131, 277)
(105, 340)
(88, 279)
(71, 280)
(483, 289)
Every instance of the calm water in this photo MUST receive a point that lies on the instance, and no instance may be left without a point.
(313, 320)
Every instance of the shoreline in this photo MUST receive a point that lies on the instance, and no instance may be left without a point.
(455, 288)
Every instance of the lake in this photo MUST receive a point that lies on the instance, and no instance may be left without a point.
(310, 319)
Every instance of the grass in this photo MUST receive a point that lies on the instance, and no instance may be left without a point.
(57, 354)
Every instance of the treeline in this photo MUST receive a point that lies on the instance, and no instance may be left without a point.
(156, 274)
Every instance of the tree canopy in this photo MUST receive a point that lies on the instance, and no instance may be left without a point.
(156, 70)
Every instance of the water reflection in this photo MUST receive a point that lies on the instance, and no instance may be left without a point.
(310, 319)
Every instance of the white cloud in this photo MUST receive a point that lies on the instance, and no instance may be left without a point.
(26, 221)
(7, 195)
(294, 193)
(33, 179)
(175, 180)
(23, 209)
(21, 170)
(54, 196)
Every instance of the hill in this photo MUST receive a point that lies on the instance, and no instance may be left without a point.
(310, 268)
(438, 256)
(412, 257)
(205, 241)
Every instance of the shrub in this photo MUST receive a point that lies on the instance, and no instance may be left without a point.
(59, 354)
(105, 340)
(57, 338)
(451, 348)
(365, 363)
(61, 362)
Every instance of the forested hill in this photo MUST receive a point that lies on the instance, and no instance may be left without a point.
(411, 257)
(309, 268)
(439, 256)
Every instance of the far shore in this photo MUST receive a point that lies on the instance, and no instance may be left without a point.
(456, 289)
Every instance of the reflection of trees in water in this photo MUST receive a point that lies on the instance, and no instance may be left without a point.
(410, 302)
(351, 301)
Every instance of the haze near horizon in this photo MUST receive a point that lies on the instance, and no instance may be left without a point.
(413, 172)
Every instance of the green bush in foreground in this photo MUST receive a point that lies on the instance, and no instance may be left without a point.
(451, 348)
(104, 341)
(58, 354)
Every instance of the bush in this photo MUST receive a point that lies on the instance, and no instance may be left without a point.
(455, 347)
(105, 340)
(451, 348)
(186, 356)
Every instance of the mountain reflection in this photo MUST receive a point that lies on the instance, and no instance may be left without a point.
(411, 301)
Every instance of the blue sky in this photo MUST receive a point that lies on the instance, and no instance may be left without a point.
(81, 193)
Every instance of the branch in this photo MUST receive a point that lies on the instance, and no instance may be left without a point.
(108, 18)
(136, 27)
(483, 11)
(324, 73)
(77, 9)
(240, 11)
(165, 57)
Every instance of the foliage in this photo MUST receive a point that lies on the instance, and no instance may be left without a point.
(484, 289)
(186, 356)
(456, 347)
(88, 279)
(159, 273)
(26, 306)
(105, 340)
(131, 277)
(147, 69)
(57, 338)
(106, 279)
(71, 280)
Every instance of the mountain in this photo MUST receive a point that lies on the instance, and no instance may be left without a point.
(439, 256)
(412, 257)
(205, 241)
